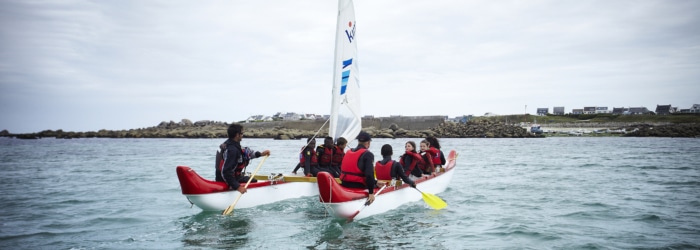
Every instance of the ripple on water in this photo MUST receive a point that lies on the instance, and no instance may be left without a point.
(649, 218)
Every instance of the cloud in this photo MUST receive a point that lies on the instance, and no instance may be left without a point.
(85, 66)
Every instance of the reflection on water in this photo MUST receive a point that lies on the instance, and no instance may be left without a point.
(211, 229)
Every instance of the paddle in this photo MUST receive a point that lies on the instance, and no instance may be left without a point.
(229, 209)
(366, 204)
(433, 201)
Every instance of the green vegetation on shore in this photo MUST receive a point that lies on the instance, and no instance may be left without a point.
(677, 125)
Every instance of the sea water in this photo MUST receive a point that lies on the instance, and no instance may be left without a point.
(551, 193)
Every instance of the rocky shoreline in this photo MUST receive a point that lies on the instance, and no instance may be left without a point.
(287, 131)
(298, 130)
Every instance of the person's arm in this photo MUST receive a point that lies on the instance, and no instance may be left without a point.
(296, 168)
(367, 165)
(397, 170)
(252, 154)
(407, 159)
(368, 162)
(428, 160)
(434, 152)
(442, 158)
(307, 162)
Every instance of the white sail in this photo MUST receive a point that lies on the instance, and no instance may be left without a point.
(346, 118)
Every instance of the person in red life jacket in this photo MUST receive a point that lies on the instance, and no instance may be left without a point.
(411, 160)
(308, 159)
(436, 144)
(388, 169)
(325, 155)
(338, 154)
(236, 158)
(428, 154)
(357, 169)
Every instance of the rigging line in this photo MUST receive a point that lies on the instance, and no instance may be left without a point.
(327, 204)
(318, 131)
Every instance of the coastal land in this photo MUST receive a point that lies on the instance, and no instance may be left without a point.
(512, 126)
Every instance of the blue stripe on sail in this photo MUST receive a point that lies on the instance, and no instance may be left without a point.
(347, 63)
(344, 81)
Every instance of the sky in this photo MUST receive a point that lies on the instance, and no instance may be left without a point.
(90, 65)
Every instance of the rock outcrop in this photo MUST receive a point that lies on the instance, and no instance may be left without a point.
(669, 130)
(481, 129)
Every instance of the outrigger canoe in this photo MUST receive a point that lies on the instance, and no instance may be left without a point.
(345, 202)
(215, 196)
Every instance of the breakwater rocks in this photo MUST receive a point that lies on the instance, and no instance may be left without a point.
(667, 130)
(290, 130)
(482, 129)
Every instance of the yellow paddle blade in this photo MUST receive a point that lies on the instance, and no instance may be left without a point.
(434, 201)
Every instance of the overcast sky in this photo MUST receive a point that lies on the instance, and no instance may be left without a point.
(90, 65)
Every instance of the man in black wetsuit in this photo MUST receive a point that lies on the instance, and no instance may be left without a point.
(236, 158)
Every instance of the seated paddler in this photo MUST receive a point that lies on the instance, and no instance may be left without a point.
(357, 168)
(388, 169)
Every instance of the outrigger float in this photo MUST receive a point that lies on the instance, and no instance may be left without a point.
(349, 203)
(216, 196)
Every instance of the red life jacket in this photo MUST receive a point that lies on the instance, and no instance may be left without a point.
(338, 155)
(427, 164)
(435, 155)
(326, 155)
(416, 159)
(383, 171)
(314, 158)
(349, 170)
(239, 169)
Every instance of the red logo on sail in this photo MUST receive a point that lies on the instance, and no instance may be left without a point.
(350, 33)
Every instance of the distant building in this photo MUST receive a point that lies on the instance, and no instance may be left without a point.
(664, 109)
(602, 110)
(254, 118)
(589, 110)
(291, 116)
(695, 108)
(620, 111)
(639, 111)
(542, 111)
(465, 118)
(577, 111)
(308, 117)
(558, 111)
(460, 119)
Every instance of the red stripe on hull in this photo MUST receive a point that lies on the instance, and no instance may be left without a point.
(193, 183)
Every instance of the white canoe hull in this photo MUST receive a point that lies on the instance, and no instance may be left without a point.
(216, 196)
(390, 200)
(254, 197)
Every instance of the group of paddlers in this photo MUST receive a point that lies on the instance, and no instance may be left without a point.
(359, 170)
(355, 167)
(328, 157)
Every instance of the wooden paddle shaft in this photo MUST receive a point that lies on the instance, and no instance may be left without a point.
(229, 209)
